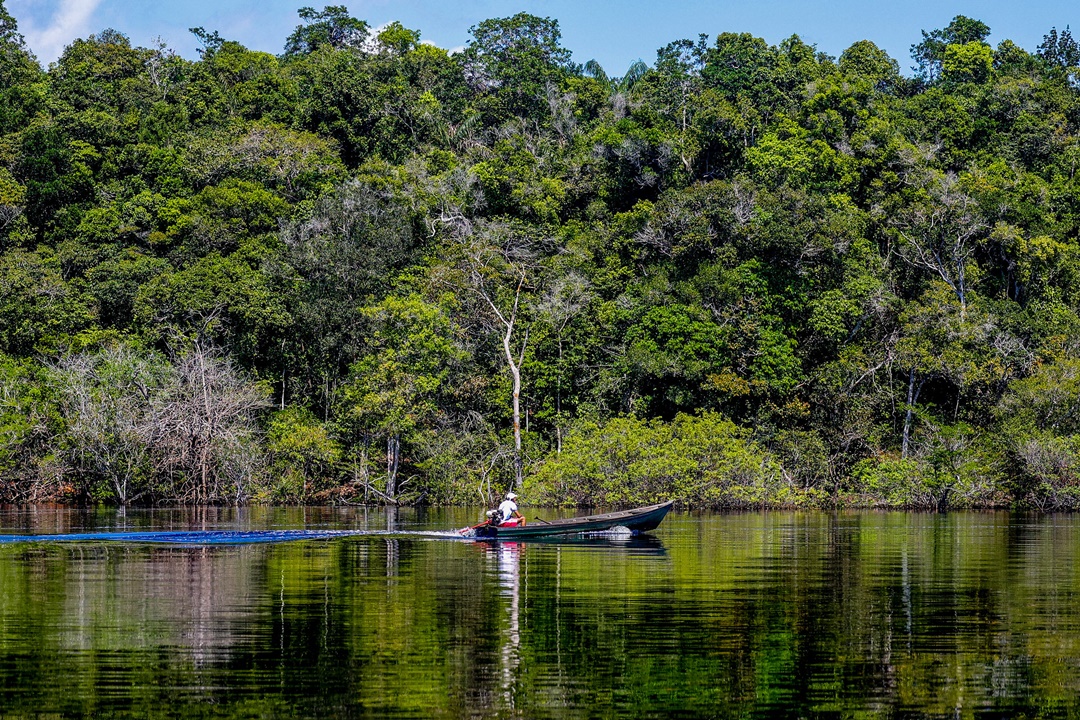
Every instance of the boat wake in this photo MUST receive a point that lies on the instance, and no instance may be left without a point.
(220, 537)
(619, 532)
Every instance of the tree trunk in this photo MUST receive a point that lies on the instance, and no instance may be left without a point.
(912, 398)
(558, 399)
(393, 461)
(515, 372)
(509, 323)
(518, 464)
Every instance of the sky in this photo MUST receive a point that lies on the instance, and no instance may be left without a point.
(616, 34)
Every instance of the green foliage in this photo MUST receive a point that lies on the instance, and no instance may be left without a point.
(699, 461)
(1059, 49)
(380, 105)
(332, 27)
(866, 61)
(295, 165)
(509, 62)
(303, 457)
(894, 481)
(39, 310)
(971, 62)
(339, 258)
(217, 298)
(744, 65)
(115, 283)
(397, 39)
(670, 352)
(1040, 418)
(29, 418)
(102, 72)
(396, 386)
(57, 173)
(929, 54)
(232, 82)
(20, 75)
(874, 277)
(958, 471)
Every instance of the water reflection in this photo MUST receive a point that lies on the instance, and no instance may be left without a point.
(508, 555)
(755, 615)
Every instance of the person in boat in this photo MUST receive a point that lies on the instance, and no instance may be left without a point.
(508, 511)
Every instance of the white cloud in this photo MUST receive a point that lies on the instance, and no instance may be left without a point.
(69, 21)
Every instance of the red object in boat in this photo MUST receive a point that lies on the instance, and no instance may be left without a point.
(490, 525)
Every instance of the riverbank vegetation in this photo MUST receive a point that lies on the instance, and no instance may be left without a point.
(368, 270)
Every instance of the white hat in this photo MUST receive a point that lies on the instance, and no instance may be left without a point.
(511, 496)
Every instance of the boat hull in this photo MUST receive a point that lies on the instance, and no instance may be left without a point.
(640, 519)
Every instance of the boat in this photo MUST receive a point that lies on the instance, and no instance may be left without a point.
(637, 520)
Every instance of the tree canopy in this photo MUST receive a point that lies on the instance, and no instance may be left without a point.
(370, 269)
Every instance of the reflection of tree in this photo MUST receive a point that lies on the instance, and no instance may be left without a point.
(509, 559)
(749, 614)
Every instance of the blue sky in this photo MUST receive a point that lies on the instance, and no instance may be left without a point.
(614, 33)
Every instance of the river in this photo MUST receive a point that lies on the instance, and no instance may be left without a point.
(853, 614)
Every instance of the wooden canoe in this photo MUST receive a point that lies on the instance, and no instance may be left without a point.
(640, 519)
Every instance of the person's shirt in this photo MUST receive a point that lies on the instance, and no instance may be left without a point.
(507, 509)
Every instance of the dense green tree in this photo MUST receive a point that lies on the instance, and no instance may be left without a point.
(58, 174)
(29, 421)
(866, 61)
(218, 299)
(341, 257)
(102, 72)
(1059, 49)
(292, 164)
(1039, 419)
(233, 82)
(39, 310)
(375, 105)
(303, 457)
(969, 62)
(401, 383)
(20, 75)
(929, 55)
(510, 63)
(332, 26)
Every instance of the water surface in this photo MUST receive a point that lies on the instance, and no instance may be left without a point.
(746, 615)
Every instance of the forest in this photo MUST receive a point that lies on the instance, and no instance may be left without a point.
(368, 270)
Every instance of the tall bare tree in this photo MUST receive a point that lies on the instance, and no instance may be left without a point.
(499, 262)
